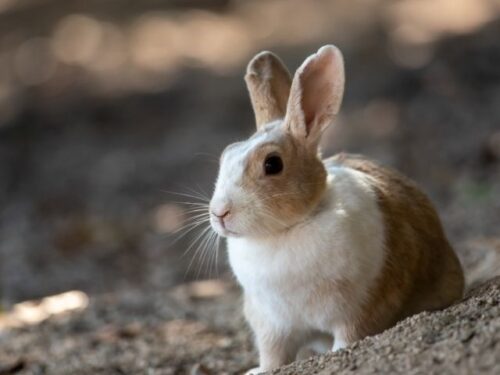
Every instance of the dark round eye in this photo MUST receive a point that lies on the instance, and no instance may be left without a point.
(273, 165)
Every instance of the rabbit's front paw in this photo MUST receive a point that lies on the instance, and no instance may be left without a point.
(255, 371)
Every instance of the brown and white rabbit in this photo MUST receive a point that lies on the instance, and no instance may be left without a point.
(340, 246)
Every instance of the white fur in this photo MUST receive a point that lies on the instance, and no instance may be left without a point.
(229, 194)
(342, 241)
(314, 276)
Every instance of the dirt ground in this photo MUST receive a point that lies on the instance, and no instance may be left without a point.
(198, 329)
(91, 141)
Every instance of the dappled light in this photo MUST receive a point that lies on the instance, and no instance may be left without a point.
(155, 43)
(77, 39)
(34, 312)
(142, 52)
(415, 26)
(204, 289)
(169, 218)
(425, 21)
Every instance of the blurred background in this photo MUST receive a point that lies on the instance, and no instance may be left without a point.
(108, 106)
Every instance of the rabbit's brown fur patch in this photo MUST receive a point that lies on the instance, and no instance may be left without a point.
(421, 270)
(291, 201)
(268, 82)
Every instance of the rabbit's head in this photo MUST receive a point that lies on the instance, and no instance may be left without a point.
(274, 179)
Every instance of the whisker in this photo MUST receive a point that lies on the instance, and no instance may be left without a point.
(190, 215)
(213, 254)
(193, 220)
(190, 228)
(217, 248)
(269, 214)
(198, 214)
(200, 235)
(200, 191)
(195, 204)
(204, 254)
(203, 235)
(204, 199)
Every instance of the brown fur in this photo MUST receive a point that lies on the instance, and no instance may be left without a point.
(268, 82)
(293, 193)
(307, 105)
(421, 271)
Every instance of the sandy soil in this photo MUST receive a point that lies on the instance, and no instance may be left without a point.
(198, 329)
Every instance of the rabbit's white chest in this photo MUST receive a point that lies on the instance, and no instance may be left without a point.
(280, 284)
(295, 278)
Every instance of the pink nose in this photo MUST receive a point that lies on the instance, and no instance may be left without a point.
(221, 213)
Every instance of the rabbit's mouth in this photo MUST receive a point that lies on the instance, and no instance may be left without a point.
(220, 227)
(224, 232)
(231, 233)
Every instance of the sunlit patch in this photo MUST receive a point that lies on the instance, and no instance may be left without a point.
(155, 43)
(424, 21)
(112, 52)
(194, 335)
(218, 42)
(202, 289)
(177, 331)
(34, 312)
(168, 218)
(77, 38)
(416, 25)
(145, 52)
(160, 42)
(435, 17)
(83, 40)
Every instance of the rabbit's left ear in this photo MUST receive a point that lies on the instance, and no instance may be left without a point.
(315, 95)
(268, 82)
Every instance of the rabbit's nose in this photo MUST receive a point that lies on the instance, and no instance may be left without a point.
(221, 213)
(220, 209)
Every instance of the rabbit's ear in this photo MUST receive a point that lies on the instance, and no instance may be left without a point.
(316, 95)
(268, 82)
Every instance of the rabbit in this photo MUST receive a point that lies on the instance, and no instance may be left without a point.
(340, 246)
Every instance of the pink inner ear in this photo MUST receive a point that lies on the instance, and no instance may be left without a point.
(317, 99)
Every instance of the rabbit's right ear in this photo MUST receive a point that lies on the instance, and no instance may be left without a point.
(268, 82)
(316, 95)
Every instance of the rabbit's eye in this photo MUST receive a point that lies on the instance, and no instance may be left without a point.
(273, 165)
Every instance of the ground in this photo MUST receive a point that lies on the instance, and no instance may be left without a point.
(198, 329)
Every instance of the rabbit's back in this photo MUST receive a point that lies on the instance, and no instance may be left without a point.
(421, 270)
